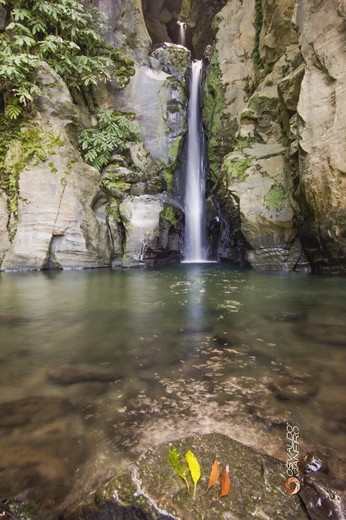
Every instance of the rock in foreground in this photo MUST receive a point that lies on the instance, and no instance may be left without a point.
(150, 488)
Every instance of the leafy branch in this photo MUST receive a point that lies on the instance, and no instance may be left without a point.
(65, 34)
(112, 133)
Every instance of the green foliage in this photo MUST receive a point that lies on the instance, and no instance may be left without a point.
(65, 34)
(258, 26)
(181, 469)
(236, 169)
(112, 133)
(185, 10)
(168, 214)
(276, 197)
(193, 468)
(113, 212)
(112, 184)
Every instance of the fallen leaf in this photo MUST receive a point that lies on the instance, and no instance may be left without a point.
(225, 481)
(214, 475)
(194, 468)
(181, 470)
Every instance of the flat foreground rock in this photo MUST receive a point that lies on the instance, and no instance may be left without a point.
(150, 488)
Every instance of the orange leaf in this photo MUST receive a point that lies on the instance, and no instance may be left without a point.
(214, 475)
(225, 481)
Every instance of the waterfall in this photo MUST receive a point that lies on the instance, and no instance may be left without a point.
(195, 249)
(182, 33)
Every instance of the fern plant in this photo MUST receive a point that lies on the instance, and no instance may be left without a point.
(65, 34)
(112, 133)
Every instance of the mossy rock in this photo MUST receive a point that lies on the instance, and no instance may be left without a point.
(169, 214)
(276, 198)
(150, 489)
(236, 168)
(220, 129)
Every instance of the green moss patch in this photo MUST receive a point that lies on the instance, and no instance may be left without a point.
(168, 214)
(21, 147)
(276, 197)
(236, 169)
(220, 130)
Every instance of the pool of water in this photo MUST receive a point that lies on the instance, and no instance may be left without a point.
(97, 366)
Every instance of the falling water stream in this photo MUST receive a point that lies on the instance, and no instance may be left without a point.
(194, 200)
(182, 33)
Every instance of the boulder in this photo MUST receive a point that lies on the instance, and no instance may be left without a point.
(57, 227)
(151, 489)
(324, 496)
(151, 239)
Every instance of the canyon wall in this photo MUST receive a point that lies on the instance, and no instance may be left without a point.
(274, 106)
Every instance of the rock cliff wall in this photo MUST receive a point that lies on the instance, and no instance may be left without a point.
(274, 106)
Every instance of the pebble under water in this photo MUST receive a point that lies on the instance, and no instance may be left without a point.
(97, 366)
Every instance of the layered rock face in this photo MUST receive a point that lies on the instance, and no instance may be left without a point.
(161, 19)
(57, 226)
(274, 106)
(321, 119)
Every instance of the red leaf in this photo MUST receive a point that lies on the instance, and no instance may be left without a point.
(214, 475)
(225, 481)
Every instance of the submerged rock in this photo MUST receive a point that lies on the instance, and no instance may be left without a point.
(326, 333)
(151, 489)
(287, 388)
(70, 375)
(324, 496)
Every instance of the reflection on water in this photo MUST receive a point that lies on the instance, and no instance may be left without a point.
(97, 366)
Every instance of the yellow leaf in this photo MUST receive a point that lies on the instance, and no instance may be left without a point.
(194, 468)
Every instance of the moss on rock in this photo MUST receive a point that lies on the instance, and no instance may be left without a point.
(220, 130)
(236, 168)
(168, 214)
(276, 197)
(21, 147)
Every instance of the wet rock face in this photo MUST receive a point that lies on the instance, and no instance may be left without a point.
(152, 489)
(149, 232)
(324, 496)
(320, 191)
(201, 13)
(125, 27)
(161, 19)
(4, 218)
(251, 174)
(280, 173)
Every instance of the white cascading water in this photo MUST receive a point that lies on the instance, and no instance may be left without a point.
(194, 200)
(182, 33)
